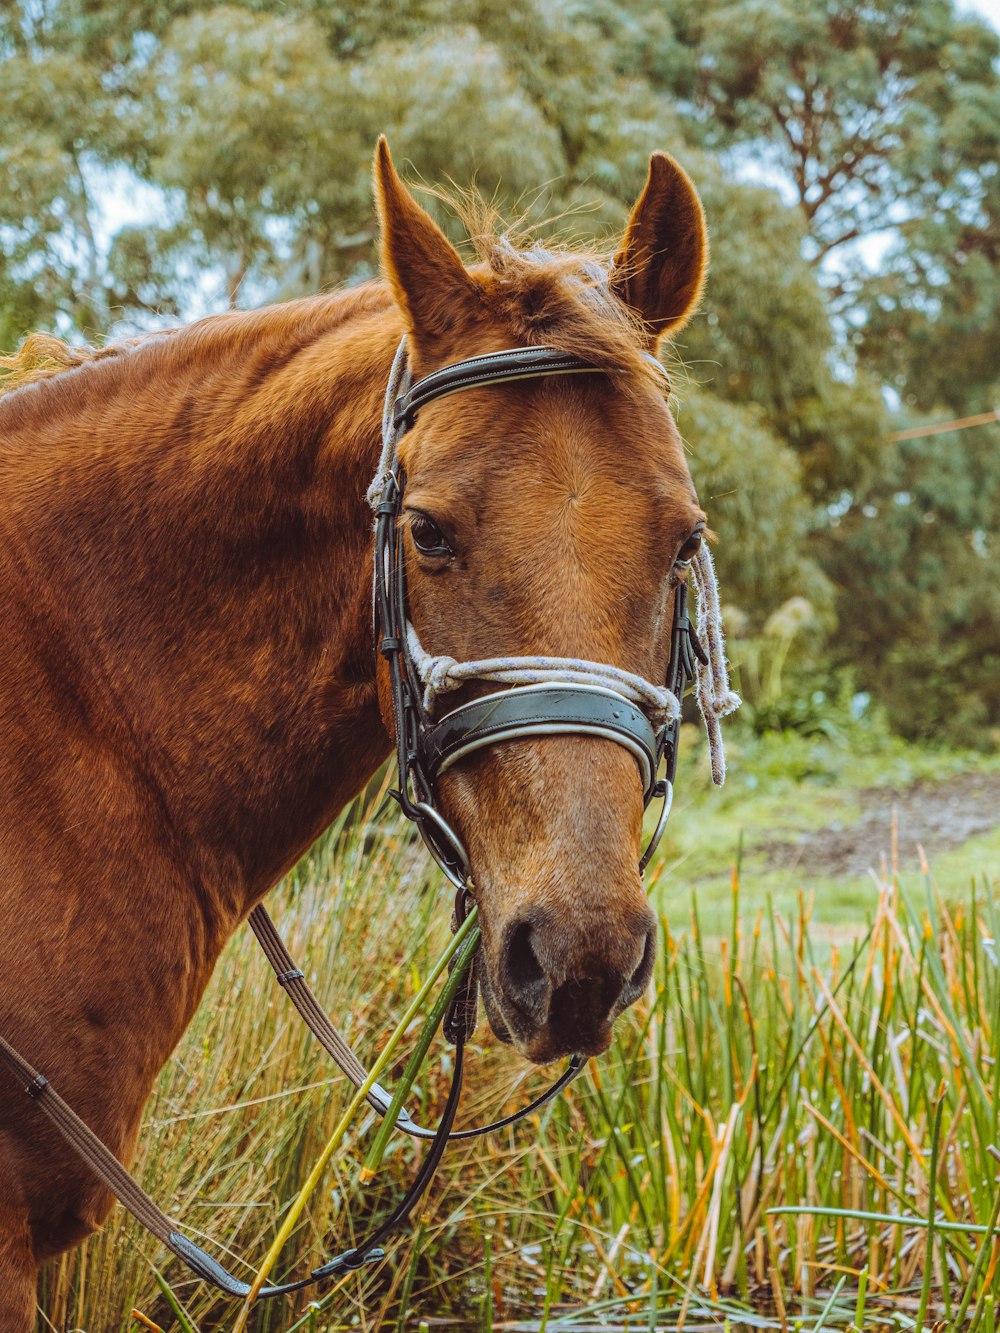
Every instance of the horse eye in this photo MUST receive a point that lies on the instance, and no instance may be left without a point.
(690, 548)
(428, 537)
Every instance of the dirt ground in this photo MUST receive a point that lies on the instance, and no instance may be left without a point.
(937, 815)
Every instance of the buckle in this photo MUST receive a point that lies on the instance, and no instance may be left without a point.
(349, 1262)
(383, 1099)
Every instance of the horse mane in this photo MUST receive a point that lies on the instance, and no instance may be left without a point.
(558, 295)
(43, 355)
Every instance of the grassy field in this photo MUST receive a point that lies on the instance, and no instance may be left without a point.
(823, 1045)
(786, 790)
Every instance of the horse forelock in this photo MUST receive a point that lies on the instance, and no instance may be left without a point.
(565, 298)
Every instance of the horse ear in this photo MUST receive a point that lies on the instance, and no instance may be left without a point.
(660, 268)
(423, 268)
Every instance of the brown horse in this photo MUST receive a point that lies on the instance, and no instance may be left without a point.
(189, 688)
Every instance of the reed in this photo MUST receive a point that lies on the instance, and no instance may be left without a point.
(784, 1134)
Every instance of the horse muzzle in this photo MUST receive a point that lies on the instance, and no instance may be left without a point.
(554, 989)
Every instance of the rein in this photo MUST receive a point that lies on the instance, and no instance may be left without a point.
(542, 696)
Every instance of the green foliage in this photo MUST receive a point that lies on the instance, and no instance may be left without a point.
(458, 77)
(873, 112)
(765, 337)
(246, 130)
(254, 132)
(765, 334)
(749, 482)
(882, 118)
(921, 542)
(55, 119)
(932, 321)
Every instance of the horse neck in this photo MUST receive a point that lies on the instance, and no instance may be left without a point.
(194, 549)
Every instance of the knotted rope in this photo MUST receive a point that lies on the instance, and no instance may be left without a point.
(715, 698)
(440, 674)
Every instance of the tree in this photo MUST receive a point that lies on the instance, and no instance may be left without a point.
(750, 484)
(931, 322)
(881, 119)
(918, 550)
(255, 136)
(765, 337)
(56, 129)
(864, 108)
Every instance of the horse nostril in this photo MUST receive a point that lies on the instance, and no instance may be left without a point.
(574, 994)
(523, 975)
(639, 979)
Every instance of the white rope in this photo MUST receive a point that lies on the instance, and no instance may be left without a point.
(715, 698)
(399, 383)
(439, 674)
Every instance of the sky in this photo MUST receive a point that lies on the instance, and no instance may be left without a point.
(988, 9)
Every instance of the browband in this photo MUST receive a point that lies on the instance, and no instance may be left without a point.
(515, 363)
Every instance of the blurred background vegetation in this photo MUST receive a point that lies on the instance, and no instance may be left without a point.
(162, 159)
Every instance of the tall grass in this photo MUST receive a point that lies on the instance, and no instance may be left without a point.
(783, 1135)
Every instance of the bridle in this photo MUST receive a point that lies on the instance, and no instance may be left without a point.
(542, 696)
(568, 695)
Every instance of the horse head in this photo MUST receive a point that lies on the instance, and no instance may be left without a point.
(554, 517)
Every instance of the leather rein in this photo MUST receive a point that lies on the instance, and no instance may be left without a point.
(424, 749)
